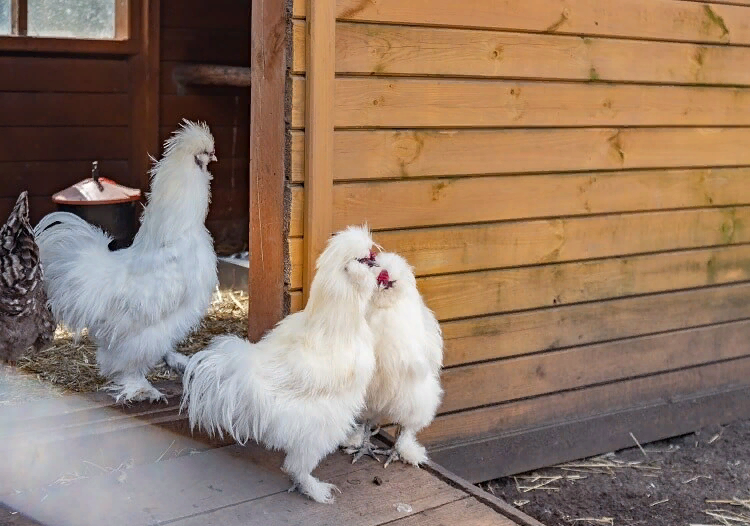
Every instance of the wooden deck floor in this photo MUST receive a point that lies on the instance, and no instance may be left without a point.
(79, 461)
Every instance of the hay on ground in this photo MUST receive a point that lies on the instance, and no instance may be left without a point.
(72, 365)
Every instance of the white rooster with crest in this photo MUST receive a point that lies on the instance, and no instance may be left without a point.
(139, 302)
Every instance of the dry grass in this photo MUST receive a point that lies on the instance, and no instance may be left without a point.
(71, 364)
(727, 517)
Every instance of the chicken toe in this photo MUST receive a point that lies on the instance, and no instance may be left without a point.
(365, 446)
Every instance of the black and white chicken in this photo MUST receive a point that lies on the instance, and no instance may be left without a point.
(25, 320)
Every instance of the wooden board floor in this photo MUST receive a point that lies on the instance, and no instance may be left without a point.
(79, 461)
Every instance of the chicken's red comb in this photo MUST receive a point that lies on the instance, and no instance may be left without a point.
(383, 277)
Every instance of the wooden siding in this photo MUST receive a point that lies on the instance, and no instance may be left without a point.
(219, 35)
(570, 180)
(58, 115)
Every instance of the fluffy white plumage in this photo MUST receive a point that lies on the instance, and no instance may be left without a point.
(405, 388)
(300, 388)
(138, 302)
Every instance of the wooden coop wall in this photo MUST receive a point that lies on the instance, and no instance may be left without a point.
(57, 114)
(61, 109)
(570, 180)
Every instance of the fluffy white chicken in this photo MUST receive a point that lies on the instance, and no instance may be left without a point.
(300, 388)
(405, 388)
(138, 302)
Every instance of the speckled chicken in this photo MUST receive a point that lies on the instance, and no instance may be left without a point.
(25, 320)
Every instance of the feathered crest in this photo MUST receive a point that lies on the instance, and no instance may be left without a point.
(18, 218)
(344, 245)
(190, 135)
(190, 138)
(21, 209)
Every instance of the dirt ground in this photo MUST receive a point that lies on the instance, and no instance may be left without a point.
(698, 479)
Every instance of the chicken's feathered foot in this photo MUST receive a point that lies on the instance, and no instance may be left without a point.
(134, 388)
(321, 491)
(176, 361)
(406, 449)
(366, 447)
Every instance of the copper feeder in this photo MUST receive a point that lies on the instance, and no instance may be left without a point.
(104, 203)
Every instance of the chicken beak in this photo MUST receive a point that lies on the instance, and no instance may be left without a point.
(213, 157)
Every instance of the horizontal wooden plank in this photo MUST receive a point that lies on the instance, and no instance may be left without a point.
(520, 452)
(63, 74)
(169, 85)
(519, 333)
(46, 178)
(526, 376)
(65, 144)
(189, 45)
(405, 154)
(495, 291)
(477, 247)
(420, 203)
(224, 14)
(487, 292)
(407, 50)
(556, 408)
(642, 19)
(64, 109)
(399, 204)
(357, 505)
(63, 46)
(39, 206)
(214, 110)
(434, 103)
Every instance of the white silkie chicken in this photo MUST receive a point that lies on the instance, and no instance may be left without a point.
(138, 302)
(405, 388)
(299, 388)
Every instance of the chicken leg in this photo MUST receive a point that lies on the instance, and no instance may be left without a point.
(176, 361)
(406, 449)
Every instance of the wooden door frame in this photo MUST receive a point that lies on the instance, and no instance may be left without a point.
(270, 27)
(144, 68)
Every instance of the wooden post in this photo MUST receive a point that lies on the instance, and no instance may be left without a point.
(19, 17)
(268, 64)
(144, 89)
(321, 76)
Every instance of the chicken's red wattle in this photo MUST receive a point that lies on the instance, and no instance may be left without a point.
(383, 277)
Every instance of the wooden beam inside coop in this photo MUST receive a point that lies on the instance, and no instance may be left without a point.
(211, 75)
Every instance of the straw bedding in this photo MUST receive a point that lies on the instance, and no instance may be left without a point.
(71, 365)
